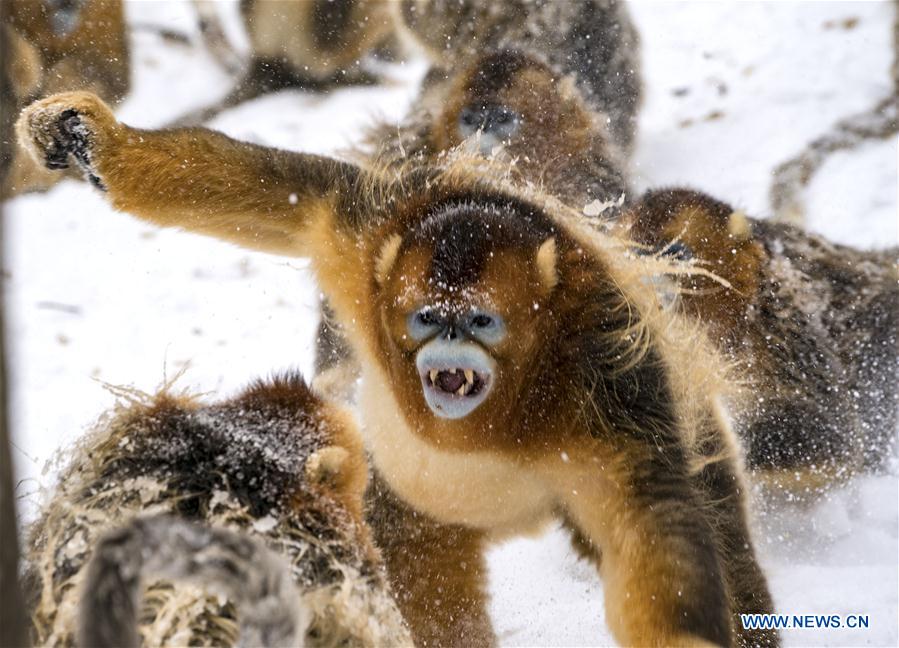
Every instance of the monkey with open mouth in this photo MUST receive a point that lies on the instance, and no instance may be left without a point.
(561, 389)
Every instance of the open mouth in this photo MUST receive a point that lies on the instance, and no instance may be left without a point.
(457, 381)
(454, 384)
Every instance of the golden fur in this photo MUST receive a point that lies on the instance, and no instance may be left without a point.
(602, 407)
(275, 465)
(93, 56)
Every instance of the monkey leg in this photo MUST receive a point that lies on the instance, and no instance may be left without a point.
(663, 576)
(437, 571)
(336, 369)
(748, 589)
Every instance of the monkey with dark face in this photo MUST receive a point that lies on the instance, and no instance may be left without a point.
(59, 45)
(515, 368)
(512, 102)
(592, 41)
(815, 324)
(257, 498)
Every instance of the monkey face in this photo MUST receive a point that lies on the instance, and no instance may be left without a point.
(455, 367)
(63, 16)
(464, 307)
(693, 226)
(496, 123)
(513, 100)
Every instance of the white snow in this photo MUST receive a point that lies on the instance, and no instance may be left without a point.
(95, 296)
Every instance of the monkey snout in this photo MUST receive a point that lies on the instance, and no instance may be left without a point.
(455, 376)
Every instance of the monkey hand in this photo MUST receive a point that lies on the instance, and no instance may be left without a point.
(76, 125)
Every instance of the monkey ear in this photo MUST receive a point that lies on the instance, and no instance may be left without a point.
(325, 466)
(546, 265)
(738, 226)
(387, 257)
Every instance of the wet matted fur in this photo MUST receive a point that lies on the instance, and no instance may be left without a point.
(275, 463)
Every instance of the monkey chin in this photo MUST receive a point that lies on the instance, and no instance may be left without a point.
(455, 378)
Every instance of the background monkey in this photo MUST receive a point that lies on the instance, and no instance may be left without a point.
(60, 45)
(814, 324)
(312, 44)
(513, 101)
(592, 43)
(489, 404)
(275, 466)
(595, 41)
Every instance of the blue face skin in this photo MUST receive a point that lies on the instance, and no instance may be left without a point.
(456, 371)
(64, 15)
(497, 125)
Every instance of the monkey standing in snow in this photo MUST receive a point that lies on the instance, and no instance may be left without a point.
(515, 369)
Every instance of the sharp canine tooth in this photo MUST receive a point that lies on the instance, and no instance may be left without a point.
(433, 375)
(452, 371)
(469, 376)
(461, 390)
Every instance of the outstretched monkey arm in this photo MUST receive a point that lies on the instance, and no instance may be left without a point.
(197, 179)
(260, 198)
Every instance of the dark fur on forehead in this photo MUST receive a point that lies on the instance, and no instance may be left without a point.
(495, 71)
(330, 20)
(661, 206)
(462, 234)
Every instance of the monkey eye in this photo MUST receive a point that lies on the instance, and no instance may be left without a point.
(679, 251)
(470, 117)
(481, 321)
(424, 323)
(504, 116)
(486, 327)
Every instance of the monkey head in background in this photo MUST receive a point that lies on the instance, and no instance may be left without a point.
(512, 101)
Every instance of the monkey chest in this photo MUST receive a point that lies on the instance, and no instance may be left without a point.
(479, 489)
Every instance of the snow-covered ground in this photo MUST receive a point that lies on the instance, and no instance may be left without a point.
(732, 89)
